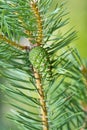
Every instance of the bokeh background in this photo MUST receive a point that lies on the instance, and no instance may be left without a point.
(78, 19)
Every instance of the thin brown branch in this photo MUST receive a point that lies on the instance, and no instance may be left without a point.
(39, 22)
(12, 43)
(36, 74)
(42, 101)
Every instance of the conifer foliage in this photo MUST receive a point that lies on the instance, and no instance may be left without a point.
(45, 79)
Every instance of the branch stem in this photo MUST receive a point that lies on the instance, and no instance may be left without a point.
(12, 43)
(42, 101)
(39, 23)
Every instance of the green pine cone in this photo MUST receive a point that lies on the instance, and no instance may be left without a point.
(39, 58)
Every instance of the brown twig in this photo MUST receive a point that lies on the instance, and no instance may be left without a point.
(39, 22)
(12, 43)
(36, 74)
(42, 101)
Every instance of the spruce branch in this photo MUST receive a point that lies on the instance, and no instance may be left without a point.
(39, 23)
(42, 101)
(41, 70)
(36, 74)
(12, 43)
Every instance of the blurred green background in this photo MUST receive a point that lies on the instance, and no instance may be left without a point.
(78, 19)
